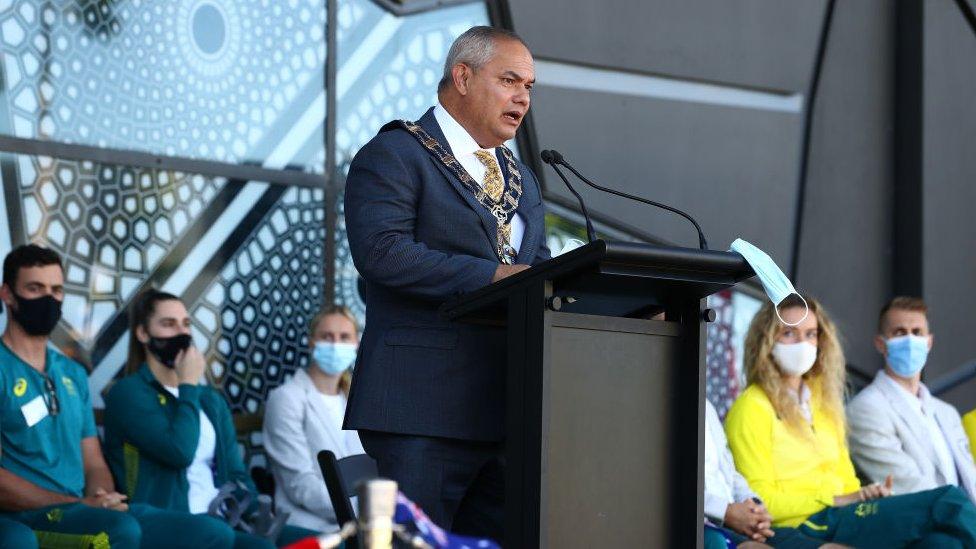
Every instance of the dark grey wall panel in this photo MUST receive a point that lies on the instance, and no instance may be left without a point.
(949, 167)
(845, 251)
(755, 43)
(734, 169)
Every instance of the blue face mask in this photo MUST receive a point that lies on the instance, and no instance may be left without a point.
(777, 286)
(333, 358)
(907, 354)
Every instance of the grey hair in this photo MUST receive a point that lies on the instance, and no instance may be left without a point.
(474, 48)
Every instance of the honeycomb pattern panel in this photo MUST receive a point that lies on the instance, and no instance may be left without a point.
(347, 279)
(112, 225)
(214, 79)
(254, 313)
(406, 56)
(401, 80)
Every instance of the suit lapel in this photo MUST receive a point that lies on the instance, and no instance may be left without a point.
(319, 413)
(429, 123)
(962, 458)
(911, 419)
(534, 231)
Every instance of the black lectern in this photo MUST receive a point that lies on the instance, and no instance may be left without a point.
(605, 416)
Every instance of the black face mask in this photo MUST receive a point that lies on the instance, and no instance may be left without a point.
(37, 316)
(166, 348)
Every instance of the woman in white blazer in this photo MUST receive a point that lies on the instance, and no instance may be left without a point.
(304, 416)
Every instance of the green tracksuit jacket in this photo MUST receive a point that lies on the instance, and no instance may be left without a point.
(151, 437)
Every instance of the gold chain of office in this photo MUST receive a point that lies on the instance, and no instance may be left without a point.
(502, 209)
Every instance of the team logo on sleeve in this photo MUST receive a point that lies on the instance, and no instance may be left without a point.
(69, 385)
(20, 387)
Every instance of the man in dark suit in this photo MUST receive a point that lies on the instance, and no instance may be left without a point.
(434, 209)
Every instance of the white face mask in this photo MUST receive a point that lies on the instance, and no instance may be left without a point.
(795, 359)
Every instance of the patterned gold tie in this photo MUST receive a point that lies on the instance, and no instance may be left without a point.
(493, 183)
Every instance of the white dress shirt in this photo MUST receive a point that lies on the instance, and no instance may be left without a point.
(723, 484)
(919, 405)
(200, 473)
(463, 147)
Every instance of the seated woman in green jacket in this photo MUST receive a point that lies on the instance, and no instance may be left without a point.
(169, 440)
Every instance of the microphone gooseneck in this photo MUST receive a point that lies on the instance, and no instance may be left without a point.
(556, 158)
(553, 158)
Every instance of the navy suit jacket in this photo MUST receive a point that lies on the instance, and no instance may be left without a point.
(418, 237)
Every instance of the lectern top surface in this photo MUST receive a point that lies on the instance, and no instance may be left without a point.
(618, 269)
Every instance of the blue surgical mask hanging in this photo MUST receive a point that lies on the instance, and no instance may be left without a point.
(777, 286)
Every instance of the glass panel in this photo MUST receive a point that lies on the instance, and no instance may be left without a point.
(389, 67)
(227, 80)
(247, 258)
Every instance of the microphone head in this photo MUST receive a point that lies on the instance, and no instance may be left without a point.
(546, 156)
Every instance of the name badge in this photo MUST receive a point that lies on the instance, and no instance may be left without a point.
(34, 411)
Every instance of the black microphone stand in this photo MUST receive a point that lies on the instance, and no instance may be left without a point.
(549, 158)
(558, 159)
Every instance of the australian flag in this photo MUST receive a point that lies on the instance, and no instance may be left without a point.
(415, 521)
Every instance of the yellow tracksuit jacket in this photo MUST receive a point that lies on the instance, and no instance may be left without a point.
(795, 474)
(969, 424)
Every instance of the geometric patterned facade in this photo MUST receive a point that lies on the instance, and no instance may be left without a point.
(206, 79)
(112, 226)
(254, 314)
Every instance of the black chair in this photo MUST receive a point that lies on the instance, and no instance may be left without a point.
(342, 476)
(263, 480)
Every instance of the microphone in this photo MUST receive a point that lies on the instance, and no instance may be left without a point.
(377, 505)
(553, 158)
(556, 158)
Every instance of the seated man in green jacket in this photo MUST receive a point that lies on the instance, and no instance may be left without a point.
(53, 477)
(169, 440)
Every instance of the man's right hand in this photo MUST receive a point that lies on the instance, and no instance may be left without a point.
(107, 500)
(507, 270)
(749, 519)
(190, 365)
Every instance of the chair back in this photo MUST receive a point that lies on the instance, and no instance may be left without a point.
(342, 476)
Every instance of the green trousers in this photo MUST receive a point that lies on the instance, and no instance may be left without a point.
(783, 538)
(288, 536)
(78, 526)
(939, 518)
(14, 535)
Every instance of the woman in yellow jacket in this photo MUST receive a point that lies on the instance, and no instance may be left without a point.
(787, 436)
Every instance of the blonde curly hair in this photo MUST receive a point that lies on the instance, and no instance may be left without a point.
(826, 379)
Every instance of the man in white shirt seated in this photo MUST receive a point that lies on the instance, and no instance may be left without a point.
(896, 425)
(733, 512)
